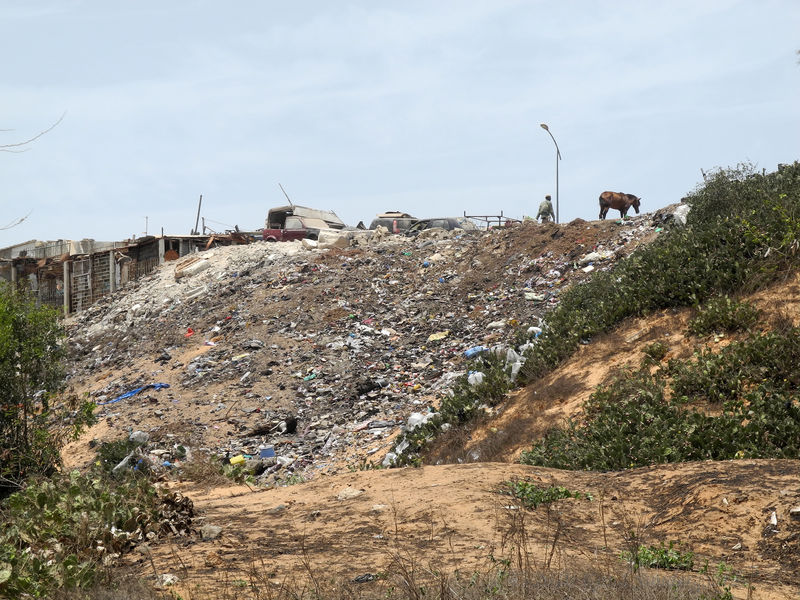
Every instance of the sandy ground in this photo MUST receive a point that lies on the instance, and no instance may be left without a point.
(452, 517)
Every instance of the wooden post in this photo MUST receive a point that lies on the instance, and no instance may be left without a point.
(67, 288)
(112, 272)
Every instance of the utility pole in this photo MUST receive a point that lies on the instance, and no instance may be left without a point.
(197, 220)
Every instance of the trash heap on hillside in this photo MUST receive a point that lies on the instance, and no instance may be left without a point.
(294, 360)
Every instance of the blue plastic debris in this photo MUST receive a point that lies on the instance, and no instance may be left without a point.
(474, 351)
(266, 453)
(155, 386)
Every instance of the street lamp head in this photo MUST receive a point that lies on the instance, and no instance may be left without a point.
(544, 126)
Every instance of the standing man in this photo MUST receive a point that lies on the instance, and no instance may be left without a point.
(546, 210)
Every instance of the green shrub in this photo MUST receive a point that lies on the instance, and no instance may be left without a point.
(110, 454)
(755, 383)
(722, 314)
(532, 495)
(656, 351)
(660, 557)
(56, 534)
(706, 377)
(36, 419)
(770, 359)
(625, 424)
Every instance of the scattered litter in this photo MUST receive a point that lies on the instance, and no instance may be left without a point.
(210, 532)
(475, 378)
(475, 350)
(155, 386)
(167, 579)
(349, 493)
(139, 437)
(435, 337)
(357, 342)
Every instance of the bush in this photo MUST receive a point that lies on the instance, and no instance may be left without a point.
(532, 495)
(36, 419)
(56, 534)
(721, 314)
(660, 557)
(656, 351)
(634, 421)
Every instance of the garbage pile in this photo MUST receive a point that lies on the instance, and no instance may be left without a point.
(293, 360)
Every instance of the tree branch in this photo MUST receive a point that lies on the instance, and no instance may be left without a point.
(18, 147)
(15, 222)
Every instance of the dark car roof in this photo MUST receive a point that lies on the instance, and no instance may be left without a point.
(394, 214)
(452, 223)
(389, 222)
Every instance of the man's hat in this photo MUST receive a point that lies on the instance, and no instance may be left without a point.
(547, 197)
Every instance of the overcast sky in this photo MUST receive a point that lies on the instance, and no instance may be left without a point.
(432, 108)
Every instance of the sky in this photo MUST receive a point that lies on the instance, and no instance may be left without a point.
(431, 108)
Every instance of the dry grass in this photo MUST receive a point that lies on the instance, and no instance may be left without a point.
(119, 587)
(522, 568)
(205, 471)
(406, 580)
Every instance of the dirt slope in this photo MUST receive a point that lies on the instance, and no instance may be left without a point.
(528, 413)
(341, 339)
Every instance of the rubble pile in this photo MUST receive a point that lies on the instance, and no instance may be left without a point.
(295, 360)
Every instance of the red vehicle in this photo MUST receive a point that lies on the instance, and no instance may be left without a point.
(287, 223)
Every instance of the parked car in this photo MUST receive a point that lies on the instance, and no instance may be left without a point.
(286, 223)
(394, 221)
(448, 223)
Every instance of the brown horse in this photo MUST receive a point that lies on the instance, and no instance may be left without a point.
(618, 201)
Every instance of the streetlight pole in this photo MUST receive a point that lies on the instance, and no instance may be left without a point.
(558, 158)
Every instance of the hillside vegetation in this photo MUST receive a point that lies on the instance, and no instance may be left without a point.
(741, 235)
(741, 402)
